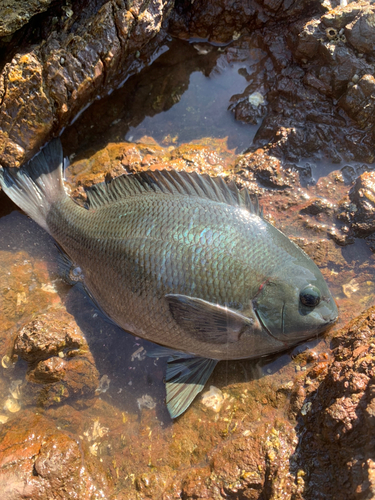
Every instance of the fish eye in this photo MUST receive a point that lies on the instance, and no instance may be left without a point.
(310, 296)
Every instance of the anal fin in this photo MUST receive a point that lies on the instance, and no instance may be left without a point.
(185, 378)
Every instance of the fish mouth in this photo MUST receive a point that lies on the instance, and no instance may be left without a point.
(331, 321)
(332, 316)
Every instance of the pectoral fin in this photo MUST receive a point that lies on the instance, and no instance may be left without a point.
(210, 322)
(185, 378)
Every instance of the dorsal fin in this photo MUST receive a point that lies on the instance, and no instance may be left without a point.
(174, 183)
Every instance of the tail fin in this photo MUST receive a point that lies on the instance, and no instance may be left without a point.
(38, 184)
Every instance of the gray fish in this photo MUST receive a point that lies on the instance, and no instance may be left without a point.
(182, 260)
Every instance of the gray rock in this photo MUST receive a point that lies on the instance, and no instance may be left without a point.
(361, 32)
(359, 101)
(308, 40)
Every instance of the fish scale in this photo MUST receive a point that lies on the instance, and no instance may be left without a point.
(119, 248)
(182, 260)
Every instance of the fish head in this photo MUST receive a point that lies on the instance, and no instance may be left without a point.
(295, 304)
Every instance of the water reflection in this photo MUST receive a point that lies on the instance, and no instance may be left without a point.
(311, 170)
(182, 96)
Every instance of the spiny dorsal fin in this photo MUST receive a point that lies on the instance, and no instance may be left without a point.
(174, 183)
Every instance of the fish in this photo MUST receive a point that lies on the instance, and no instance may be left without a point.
(183, 260)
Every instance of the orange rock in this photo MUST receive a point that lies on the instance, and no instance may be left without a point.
(38, 461)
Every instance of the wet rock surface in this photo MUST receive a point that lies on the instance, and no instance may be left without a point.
(363, 204)
(224, 20)
(258, 423)
(316, 87)
(41, 462)
(360, 32)
(335, 453)
(311, 74)
(124, 158)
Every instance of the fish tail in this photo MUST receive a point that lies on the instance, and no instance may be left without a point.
(38, 184)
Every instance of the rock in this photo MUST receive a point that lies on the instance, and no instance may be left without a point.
(150, 485)
(250, 109)
(337, 427)
(16, 13)
(331, 67)
(224, 20)
(40, 462)
(60, 365)
(48, 335)
(308, 39)
(361, 32)
(23, 285)
(318, 206)
(314, 41)
(341, 16)
(362, 196)
(49, 370)
(359, 101)
(341, 66)
(44, 87)
(267, 169)
(205, 156)
(323, 252)
(26, 111)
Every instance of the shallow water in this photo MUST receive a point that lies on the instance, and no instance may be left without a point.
(183, 96)
(202, 109)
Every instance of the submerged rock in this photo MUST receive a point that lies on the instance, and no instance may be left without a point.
(213, 399)
(60, 365)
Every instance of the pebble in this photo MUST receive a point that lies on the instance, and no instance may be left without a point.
(213, 399)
